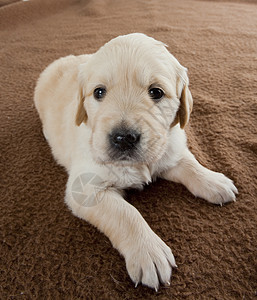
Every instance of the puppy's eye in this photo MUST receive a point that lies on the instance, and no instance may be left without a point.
(99, 93)
(156, 93)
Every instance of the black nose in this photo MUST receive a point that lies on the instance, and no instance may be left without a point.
(124, 139)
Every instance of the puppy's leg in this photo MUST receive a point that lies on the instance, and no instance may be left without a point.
(148, 258)
(202, 182)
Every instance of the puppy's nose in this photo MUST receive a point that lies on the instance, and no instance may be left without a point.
(124, 139)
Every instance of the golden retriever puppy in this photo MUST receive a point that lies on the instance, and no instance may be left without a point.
(115, 120)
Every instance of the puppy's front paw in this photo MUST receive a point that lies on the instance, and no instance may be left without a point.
(150, 262)
(219, 189)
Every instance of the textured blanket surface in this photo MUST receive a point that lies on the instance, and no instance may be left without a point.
(46, 252)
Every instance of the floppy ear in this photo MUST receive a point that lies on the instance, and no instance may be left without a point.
(185, 107)
(81, 112)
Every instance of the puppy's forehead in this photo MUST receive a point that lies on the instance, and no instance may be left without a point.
(141, 60)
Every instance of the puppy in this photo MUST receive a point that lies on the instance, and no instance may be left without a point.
(115, 120)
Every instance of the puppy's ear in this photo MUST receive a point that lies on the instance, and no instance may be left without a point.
(81, 115)
(186, 102)
(81, 112)
(186, 106)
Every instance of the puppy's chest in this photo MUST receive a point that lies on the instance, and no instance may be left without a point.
(129, 177)
(137, 176)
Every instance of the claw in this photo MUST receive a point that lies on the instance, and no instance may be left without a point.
(136, 284)
(156, 289)
(167, 283)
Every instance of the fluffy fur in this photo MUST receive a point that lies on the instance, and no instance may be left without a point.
(77, 127)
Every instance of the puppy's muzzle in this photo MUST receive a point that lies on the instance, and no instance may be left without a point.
(124, 139)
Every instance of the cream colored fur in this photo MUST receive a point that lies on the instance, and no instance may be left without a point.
(77, 126)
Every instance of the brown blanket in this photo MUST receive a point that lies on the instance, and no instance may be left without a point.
(46, 252)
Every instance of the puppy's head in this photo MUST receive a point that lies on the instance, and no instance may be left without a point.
(132, 92)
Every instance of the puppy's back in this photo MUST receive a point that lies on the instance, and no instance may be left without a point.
(57, 84)
(55, 98)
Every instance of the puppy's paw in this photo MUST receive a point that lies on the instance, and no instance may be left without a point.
(150, 262)
(219, 189)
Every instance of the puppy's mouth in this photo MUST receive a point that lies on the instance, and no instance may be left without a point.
(125, 156)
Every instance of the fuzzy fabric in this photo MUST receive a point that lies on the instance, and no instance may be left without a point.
(46, 252)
